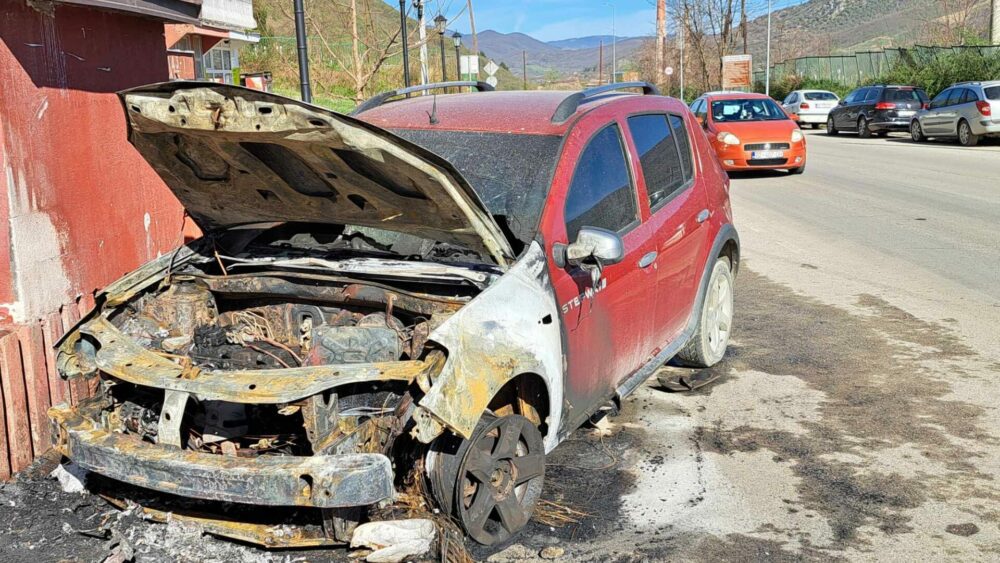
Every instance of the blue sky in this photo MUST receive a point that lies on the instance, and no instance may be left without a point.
(549, 20)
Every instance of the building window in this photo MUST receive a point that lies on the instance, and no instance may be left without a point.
(219, 64)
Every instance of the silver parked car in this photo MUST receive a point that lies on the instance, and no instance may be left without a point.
(812, 106)
(965, 111)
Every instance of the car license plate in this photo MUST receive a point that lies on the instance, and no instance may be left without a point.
(824, 106)
(764, 155)
(906, 113)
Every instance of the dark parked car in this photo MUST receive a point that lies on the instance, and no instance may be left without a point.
(439, 288)
(876, 110)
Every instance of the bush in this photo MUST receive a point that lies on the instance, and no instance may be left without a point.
(937, 73)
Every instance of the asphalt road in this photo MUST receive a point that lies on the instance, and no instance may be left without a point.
(856, 416)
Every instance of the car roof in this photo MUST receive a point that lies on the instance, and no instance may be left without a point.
(524, 112)
(736, 96)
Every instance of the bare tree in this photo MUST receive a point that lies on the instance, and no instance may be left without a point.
(953, 22)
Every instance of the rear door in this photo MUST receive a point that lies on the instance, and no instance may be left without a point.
(608, 325)
(678, 208)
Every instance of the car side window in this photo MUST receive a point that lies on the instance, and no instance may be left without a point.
(659, 156)
(852, 96)
(791, 99)
(602, 193)
(683, 144)
(941, 99)
(955, 96)
(970, 96)
(873, 94)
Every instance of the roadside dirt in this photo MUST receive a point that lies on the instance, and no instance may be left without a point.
(831, 435)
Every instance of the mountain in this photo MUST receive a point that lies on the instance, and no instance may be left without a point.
(558, 57)
(589, 42)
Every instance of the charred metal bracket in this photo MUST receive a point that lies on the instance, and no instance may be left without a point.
(169, 431)
(320, 419)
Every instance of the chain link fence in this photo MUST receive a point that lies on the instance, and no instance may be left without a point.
(864, 66)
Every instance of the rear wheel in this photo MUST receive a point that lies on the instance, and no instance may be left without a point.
(916, 132)
(491, 482)
(708, 345)
(863, 131)
(831, 129)
(965, 135)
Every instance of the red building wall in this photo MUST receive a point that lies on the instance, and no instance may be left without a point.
(78, 206)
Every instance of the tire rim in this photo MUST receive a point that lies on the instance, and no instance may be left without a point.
(915, 131)
(963, 133)
(501, 480)
(720, 316)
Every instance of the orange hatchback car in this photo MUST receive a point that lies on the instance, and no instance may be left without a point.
(751, 132)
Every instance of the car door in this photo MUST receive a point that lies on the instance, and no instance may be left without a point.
(966, 108)
(678, 208)
(842, 112)
(932, 121)
(607, 325)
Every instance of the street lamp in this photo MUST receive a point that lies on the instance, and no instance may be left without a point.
(457, 38)
(614, 45)
(439, 25)
(406, 47)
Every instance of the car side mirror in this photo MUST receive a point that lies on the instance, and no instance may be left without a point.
(793, 116)
(593, 249)
(842, 102)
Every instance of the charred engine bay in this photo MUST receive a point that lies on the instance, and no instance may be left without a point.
(208, 317)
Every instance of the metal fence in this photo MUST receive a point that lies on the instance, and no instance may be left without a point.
(862, 66)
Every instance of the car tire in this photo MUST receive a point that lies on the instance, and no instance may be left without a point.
(917, 132)
(831, 129)
(708, 345)
(491, 482)
(965, 135)
(863, 131)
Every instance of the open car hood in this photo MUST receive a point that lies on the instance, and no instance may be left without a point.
(235, 156)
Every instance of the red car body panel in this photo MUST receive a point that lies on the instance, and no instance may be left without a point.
(614, 331)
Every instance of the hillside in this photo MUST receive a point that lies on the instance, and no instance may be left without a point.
(329, 48)
(557, 58)
(588, 42)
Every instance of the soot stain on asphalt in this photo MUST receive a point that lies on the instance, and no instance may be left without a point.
(880, 393)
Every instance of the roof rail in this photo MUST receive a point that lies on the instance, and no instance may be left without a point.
(379, 99)
(569, 106)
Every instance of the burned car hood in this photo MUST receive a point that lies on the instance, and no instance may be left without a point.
(236, 156)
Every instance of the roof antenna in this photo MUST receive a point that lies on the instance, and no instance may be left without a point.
(433, 115)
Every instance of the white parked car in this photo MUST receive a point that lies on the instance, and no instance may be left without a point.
(812, 106)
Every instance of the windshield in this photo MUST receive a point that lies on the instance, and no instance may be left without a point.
(510, 172)
(820, 96)
(754, 109)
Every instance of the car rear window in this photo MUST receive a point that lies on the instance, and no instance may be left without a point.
(820, 96)
(992, 93)
(905, 95)
(510, 172)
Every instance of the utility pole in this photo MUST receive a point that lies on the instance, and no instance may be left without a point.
(767, 62)
(600, 65)
(995, 22)
(472, 29)
(661, 36)
(524, 68)
(424, 78)
(614, 47)
(406, 46)
(300, 40)
(743, 24)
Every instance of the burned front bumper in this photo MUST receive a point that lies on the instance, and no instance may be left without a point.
(321, 481)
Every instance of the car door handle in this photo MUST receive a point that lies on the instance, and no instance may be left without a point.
(648, 259)
(703, 216)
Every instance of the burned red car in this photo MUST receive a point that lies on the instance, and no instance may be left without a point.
(439, 288)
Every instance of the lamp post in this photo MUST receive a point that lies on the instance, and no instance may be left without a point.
(614, 45)
(439, 25)
(457, 38)
(406, 46)
(424, 72)
(767, 62)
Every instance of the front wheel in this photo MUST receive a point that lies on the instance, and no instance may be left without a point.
(711, 338)
(916, 132)
(491, 482)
